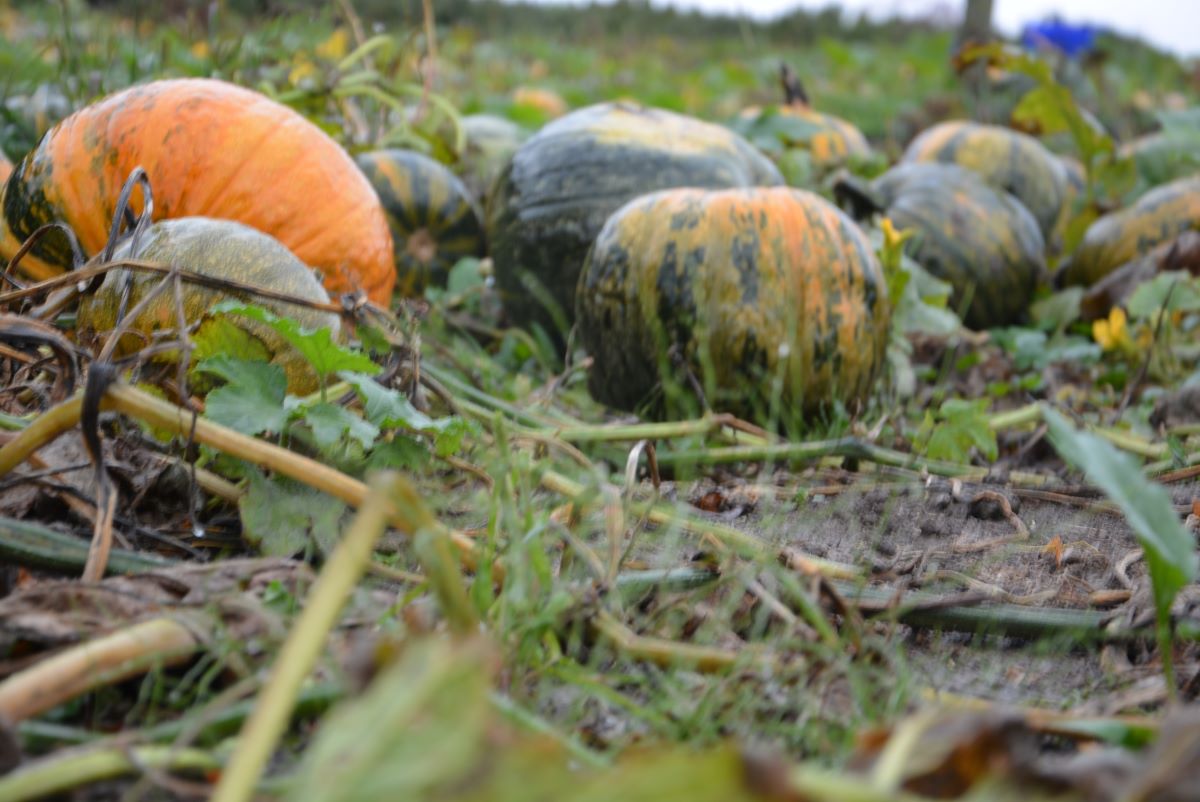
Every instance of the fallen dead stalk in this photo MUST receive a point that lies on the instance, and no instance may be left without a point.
(135, 403)
(95, 664)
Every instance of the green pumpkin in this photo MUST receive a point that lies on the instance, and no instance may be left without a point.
(222, 249)
(433, 217)
(1008, 160)
(982, 241)
(1164, 155)
(1161, 214)
(490, 143)
(750, 289)
(562, 184)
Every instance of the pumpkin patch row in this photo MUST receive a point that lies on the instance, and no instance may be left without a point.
(668, 241)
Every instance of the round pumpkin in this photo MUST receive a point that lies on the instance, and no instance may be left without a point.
(1163, 156)
(981, 240)
(222, 249)
(211, 149)
(1161, 214)
(490, 143)
(432, 216)
(748, 287)
(829, 140)
(546, 102)
(1008, 160)
(561, 185)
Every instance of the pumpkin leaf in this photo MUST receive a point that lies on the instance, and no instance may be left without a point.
(389, 409)
(1170, 551)
(282, 518)
(317, 346)
(252, 400)
(960, 425)
(1056, 312)
(1170, 291)
(400, 453)
(330, 421)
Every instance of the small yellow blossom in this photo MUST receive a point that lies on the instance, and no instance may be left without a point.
(893, 243)
(301, 70)
(1113, 332)
(335, 47)
(200, 49)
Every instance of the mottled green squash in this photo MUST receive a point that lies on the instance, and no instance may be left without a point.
(747, 287)
(562, 184)
(1164, 156)
(490, 143)
(830, 141)
(222, 249)
(982, 241)
(1161, 214)
(1009, 160)
(433, 217)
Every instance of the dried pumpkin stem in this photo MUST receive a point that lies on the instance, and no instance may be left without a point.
(710, 424)
(138, 404)
(41, 430)
(95, 664)
(670, 653)
(143, 406)
(74, 768)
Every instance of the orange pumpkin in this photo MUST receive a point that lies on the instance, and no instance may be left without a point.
(6, 167)
(211, 149)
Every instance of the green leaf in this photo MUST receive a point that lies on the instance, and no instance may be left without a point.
(466, 274)
(330, 421)
(252, 401)
(400, 453)
(1173, 290)
(385, 407)
(282, 518)
(1169, 549)
(317, 346)
(389, 409)
(427, 715)
(1056, 312)
(961, 425)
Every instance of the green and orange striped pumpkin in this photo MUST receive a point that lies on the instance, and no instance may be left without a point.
(562, 184)
(830, 141)
(1161, 214)
(751, 289)
(1007, 159)
(211, 149)
(981, 240)
(432, 216)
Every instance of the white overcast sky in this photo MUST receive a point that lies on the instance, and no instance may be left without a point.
(1171, 24)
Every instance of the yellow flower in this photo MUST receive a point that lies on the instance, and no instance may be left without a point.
(301, 70)
(1112, 333)
(335, 47)
(200, 49)
(893, 243)
(892, 236)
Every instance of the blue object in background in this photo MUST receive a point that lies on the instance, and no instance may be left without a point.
(1072, 40)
